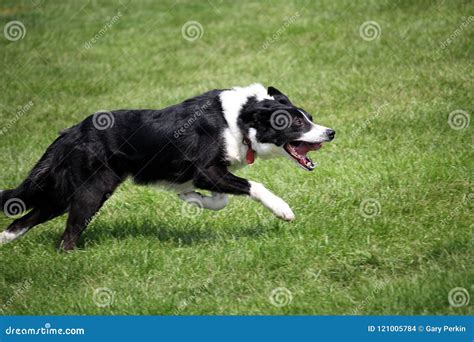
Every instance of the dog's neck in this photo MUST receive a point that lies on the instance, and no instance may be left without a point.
(250, 154)
(234, 103)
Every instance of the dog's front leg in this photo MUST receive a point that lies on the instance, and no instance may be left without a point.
(219, 179)
(278, 206)
(215, 202)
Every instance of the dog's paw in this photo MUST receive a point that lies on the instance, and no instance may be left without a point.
(191, 197)
(283, 211)
(215, 202)
(218, 201)
(6, 237)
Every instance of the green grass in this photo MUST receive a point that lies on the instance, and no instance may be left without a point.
(332, 259)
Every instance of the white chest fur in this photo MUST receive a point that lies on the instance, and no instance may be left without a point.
(232, 102)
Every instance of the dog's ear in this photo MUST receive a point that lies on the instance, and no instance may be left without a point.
(279, 96)
(272, 91)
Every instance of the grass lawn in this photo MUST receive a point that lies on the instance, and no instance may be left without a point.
(383, 224)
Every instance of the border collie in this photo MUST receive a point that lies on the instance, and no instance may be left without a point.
(191, 145)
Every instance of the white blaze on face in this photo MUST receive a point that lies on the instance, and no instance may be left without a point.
(316, 134)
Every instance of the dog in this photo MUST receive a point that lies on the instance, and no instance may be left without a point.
(189, 146)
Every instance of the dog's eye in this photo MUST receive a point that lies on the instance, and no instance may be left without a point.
(283, 102)
(298, 122)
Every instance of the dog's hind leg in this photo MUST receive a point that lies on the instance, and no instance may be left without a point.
(215, 202)
(80, 214)
(85, 203)
(23, 224)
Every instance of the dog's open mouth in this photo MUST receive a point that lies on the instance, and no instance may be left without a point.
(298, 149)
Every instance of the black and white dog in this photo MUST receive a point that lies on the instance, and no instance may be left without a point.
(192, 145)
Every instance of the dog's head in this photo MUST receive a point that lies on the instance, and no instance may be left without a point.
(278, 127)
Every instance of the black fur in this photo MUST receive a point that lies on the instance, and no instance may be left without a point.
(181, 143)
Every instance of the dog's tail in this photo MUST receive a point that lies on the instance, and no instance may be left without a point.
(30, 192)
(17, 201)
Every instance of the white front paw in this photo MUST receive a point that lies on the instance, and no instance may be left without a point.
(282, 210)
(278, 206)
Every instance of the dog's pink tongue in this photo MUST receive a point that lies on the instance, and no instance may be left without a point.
(305, 148)
(302, 149)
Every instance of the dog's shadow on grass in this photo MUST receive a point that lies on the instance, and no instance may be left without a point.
(178, 235)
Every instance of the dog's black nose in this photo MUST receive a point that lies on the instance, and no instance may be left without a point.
(330, 133)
